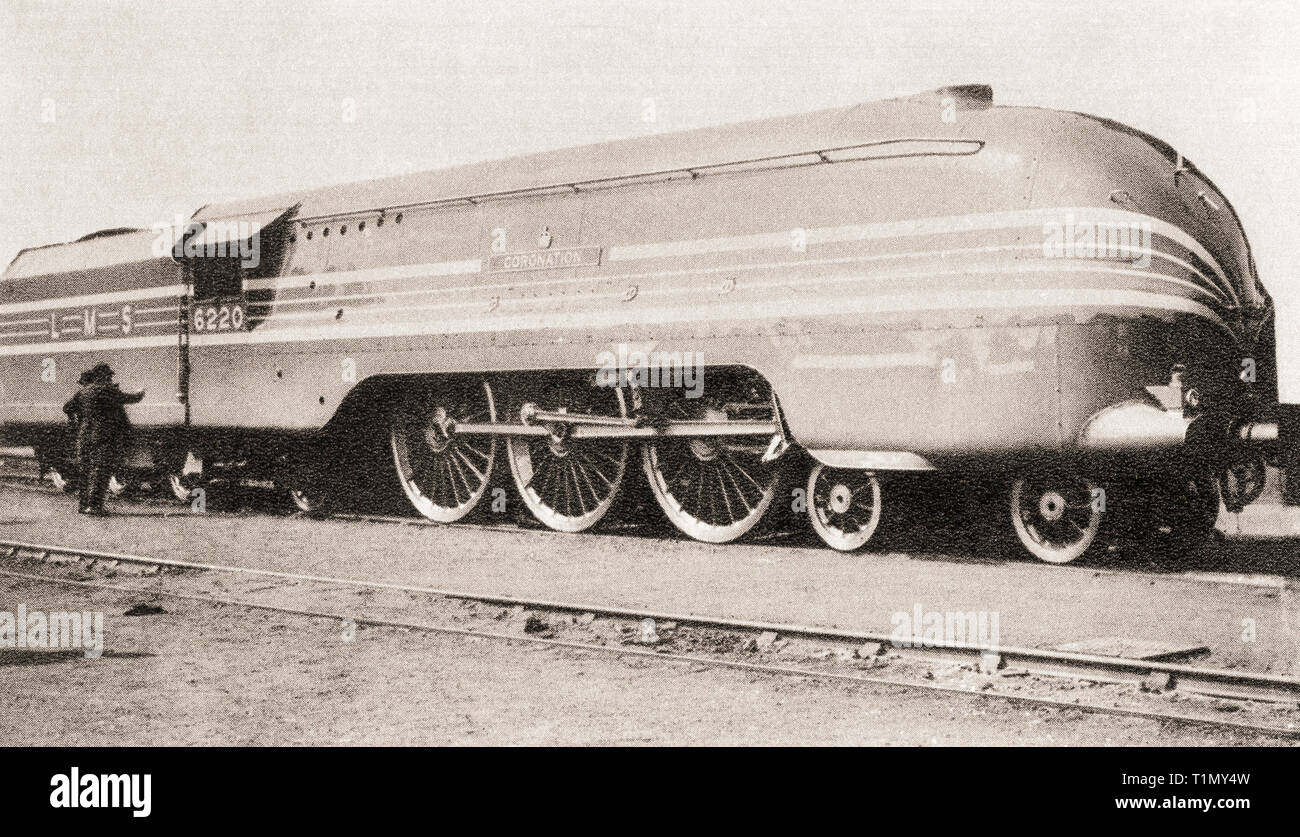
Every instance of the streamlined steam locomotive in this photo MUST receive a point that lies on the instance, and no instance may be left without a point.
(846, 297)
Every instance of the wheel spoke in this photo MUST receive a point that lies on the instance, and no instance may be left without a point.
(460, 454)
(723, 477)
(730, 470)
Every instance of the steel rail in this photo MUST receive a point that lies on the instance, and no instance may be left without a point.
(712, 662)
(169, 508)
(1210, 682)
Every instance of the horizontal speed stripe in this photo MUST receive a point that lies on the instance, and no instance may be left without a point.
(919, 227)
(370, 274)
(1017, 299)
(1061, 265)
(1209, 288)
(64, 346)
(781, 240)
(45, 405)
(92, 299)
(853, 232)
(287, 322)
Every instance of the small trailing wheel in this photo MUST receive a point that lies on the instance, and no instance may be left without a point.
(715, 489)
(442, 474)
(122, 485)
(1056, 515)
(63, 482)
(567, 484)
(306, 478)
(844, 506)
(308, 500)
(185, 478)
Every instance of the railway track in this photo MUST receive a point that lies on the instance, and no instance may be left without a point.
(169, 507)
(1192, 680)
(34, 484)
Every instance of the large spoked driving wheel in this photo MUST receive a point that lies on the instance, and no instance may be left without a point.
(714, 489)
(444, 475)
(844, 506)
(1057, 516)
(569, 484)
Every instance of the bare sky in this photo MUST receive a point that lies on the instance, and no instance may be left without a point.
(126, 113)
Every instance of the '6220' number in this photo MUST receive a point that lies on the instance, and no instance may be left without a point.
(224, 317)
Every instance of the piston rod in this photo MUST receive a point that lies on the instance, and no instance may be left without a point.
(532, 415)
(670, 429)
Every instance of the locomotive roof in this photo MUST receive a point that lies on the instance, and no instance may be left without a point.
(823, 129)
(107, 248)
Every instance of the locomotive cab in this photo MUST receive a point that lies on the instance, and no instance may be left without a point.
(220, 256)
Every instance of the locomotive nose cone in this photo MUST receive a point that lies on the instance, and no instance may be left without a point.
(1051, 505)
(841, 498)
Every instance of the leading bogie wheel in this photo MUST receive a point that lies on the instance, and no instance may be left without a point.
(1057, 515)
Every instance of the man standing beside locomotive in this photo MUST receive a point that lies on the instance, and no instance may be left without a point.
(99, 412)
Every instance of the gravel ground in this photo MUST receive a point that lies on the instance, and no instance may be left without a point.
(206, 674)
(1245, 626)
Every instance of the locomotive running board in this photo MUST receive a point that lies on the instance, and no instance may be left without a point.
(670, 429)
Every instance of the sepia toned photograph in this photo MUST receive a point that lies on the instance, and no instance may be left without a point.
(649, 374)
